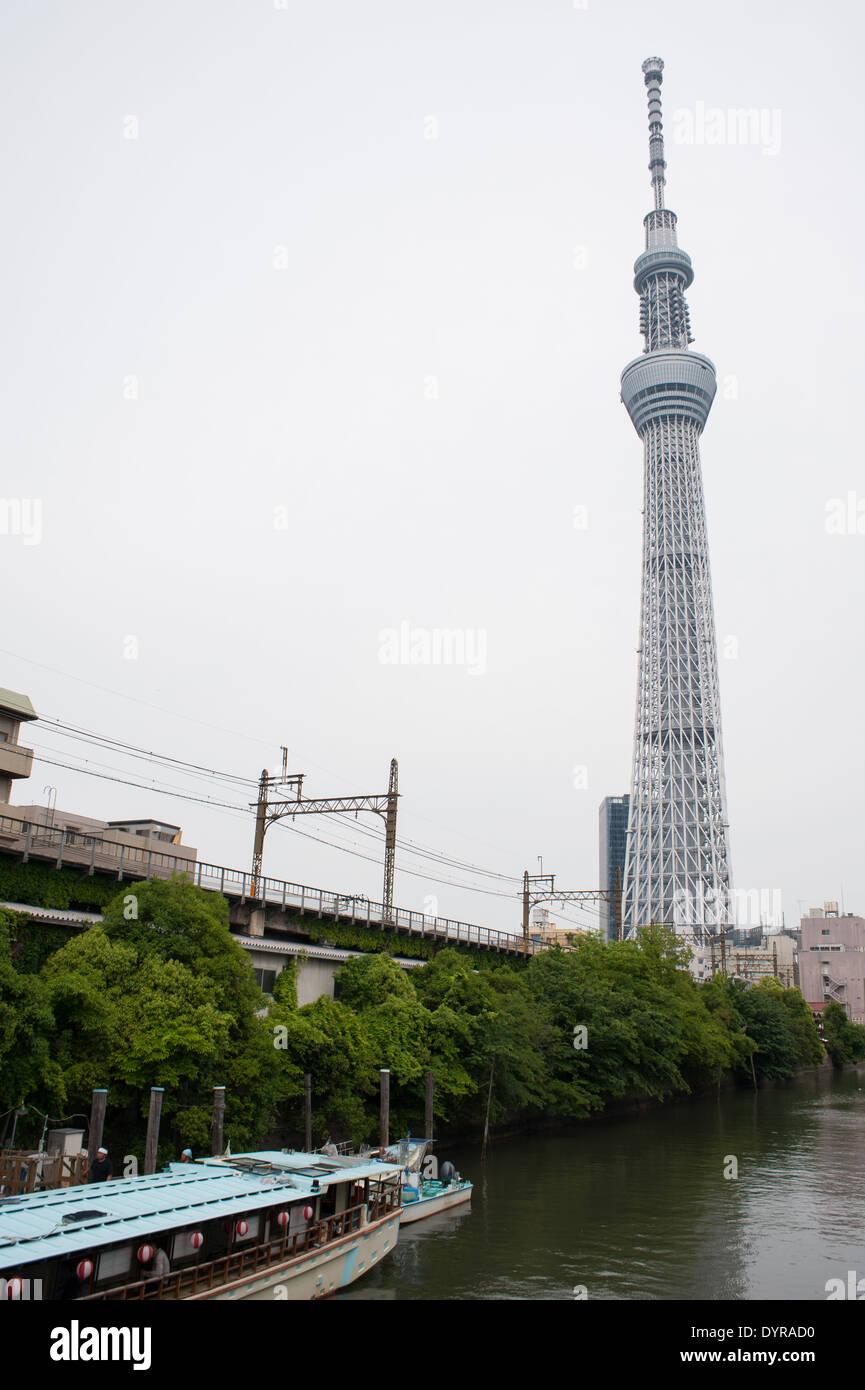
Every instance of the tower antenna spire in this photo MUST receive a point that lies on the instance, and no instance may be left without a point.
(653, 69)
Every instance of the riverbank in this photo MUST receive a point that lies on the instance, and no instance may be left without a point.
(636, 1105)
(603, 1028)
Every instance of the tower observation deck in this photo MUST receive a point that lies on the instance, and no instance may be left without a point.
(677, 868)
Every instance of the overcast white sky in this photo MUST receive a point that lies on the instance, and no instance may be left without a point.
(341, 262)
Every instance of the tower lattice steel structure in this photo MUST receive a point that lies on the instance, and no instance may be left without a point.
(677, 867)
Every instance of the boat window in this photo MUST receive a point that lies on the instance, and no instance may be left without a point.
(252, 1234)
(182, 1247)
(114, 1262)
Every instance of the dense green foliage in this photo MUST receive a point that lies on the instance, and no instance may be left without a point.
(74, 889)
(771, 1026)
(160, 993)
(374, 939)
(845, 1041)
(45, 886)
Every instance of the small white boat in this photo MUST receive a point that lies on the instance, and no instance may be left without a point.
(425, 1189)
(433, 1196)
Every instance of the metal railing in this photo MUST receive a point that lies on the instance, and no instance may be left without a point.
(96, 852)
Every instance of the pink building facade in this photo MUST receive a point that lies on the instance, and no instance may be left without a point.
(832, 963)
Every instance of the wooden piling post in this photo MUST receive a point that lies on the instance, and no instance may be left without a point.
(97, 1122)
(428, 1106)
(384, 1131)
(307, 1112)
(152, 1141)
(218, 1121)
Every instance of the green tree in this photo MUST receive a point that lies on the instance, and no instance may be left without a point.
(330, 1042)
(161, 994)
(648, 1030)
(483, 1019)
(768, 1024)
(809, 1048)
(845, 1041)
(28, 1065)
(175, 920)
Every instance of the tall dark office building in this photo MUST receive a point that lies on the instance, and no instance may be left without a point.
(612, 839)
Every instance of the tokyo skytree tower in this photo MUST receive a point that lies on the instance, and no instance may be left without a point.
(677, 868)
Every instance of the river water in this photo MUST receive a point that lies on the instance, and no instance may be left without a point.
(637, 1207)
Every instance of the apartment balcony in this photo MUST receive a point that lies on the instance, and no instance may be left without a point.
(15, 760)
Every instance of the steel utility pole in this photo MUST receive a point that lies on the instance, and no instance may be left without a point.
(390, 840)
(541, 888)
(265, 785)
(272, 805)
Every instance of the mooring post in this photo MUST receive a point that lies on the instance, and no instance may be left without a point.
(156, 1094)
(384, 1139)
(307, 1112)
(428, 1107)
(97, 1122)
(217, 1122)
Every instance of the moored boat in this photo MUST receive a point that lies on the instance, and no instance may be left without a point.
(425, 1194)
(254, 1226)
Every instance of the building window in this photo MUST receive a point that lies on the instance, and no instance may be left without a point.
(265, 979)
(825, 931)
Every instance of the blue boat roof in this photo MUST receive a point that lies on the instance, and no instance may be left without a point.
(32, 1226)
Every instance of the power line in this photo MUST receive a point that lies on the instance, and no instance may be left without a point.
(143, 786)
(76, 731)
(122, 695)
(411, 847)
(152, 759)
(233, 780)
(217, 805)
(192, 719)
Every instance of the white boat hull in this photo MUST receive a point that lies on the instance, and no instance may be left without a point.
(317, 1272)
(428, 1206)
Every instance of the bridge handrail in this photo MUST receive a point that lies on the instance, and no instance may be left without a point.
(37, 836)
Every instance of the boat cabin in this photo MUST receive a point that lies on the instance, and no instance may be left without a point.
(212, 1220)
